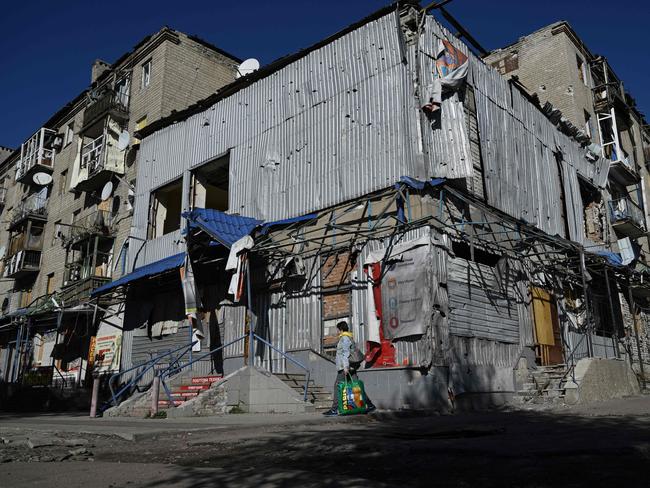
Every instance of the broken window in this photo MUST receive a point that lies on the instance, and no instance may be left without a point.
(337, 295)
(146, 75)
(588, 128)
(69, 134)
(165, 209)
(209, 188)
(582, 69)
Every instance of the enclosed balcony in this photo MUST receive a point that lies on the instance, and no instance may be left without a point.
(22, 263)
(88, 265)
(32, 208)
(110, 102)
(36, 155)
(100, 159)
(627, 217)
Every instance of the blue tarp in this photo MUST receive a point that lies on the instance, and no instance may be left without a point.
(224, 228)
(175, 261)
(612, 258)
(419, 185)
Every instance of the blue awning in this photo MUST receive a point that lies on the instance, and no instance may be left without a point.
(224, 228)
(612, 258)
(419, 185)
(175, 261)
(302, 218)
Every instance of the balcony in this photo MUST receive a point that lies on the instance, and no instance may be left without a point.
(36, 155)
(33, 207)
(622, 167)
(627, 217)
(100, 159)
(108, 103)
(22, 263)
(97, 223)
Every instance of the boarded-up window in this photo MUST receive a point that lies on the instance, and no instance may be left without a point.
(335, 277)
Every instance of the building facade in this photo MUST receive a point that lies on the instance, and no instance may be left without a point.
(69, 199)
(389, 177)
(557, 66)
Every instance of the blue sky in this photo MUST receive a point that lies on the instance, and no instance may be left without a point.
(47, 48)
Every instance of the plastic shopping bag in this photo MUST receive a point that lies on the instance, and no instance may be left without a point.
(351, 397)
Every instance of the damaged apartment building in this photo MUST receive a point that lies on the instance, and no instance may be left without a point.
(581, 90)
(68, 202)
(389, 177)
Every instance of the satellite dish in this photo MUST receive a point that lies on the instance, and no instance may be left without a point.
(42, 179)
(3, 249)
(107, 191)
(123, 140)
(247, 67)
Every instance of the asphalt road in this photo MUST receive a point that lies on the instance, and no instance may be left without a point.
(606, 444)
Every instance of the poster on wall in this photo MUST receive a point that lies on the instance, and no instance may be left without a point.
(405, 296)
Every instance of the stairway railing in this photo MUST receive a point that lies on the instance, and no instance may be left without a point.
(146, 367)
(176, 367)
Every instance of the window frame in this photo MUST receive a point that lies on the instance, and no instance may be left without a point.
(145, 74)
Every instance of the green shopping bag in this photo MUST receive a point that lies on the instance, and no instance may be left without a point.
(351, 397)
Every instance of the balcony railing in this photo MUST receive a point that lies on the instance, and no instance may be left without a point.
(36, 152)
(99, 222)
(624, 210)
(22, 262)
(92, 156)
(33, 206)
(109, 102)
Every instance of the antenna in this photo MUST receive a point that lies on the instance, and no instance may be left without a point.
(42, 179)
(107, 191)
(123, 140)
(247, 67)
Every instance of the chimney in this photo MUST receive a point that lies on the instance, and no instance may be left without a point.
(99, 67)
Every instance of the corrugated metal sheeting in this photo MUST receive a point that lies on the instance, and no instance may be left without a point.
(480, 306)
(519, 146)
(329, 127)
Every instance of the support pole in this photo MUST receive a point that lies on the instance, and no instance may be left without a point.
(155, 394)
(93, 399)
(636, 332)
(249, 300)
(611, 314)
(588, 318)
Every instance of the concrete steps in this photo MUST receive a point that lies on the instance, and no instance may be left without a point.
(544, 385)
(317, 395)
(189, 387)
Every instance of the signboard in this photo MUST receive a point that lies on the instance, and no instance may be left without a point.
(405, 295)
(106, 357)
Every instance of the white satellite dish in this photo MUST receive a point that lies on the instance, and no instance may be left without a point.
(247, 67)
(107, 191)
(3, 249)
(123, 140)
(42, 179)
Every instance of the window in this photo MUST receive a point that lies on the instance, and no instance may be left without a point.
(146, 75)
(588, 128)
(50, 284)
(141, 123)
(63, 182)
(57, 232)
(69, 134)
(165, 209)
(210, 185)
(582, 69)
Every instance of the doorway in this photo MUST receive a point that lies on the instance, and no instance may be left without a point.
(548, 338)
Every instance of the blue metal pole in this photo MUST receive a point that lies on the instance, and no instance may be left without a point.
(251, 340)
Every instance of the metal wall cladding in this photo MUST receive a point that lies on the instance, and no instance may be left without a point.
(445, 135)
(327, 128)
(288, 321)
(481, 305)
(409, 351)
(577, 345)
(518, 146)
(483, 352)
